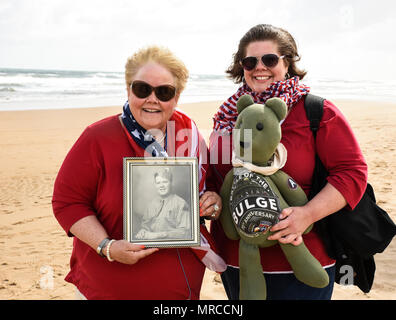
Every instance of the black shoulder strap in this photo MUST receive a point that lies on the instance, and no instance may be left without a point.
(314, 109)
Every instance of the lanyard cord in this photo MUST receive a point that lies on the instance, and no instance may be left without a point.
(185, 276)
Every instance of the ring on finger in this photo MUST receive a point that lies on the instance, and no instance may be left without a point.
(216, 208)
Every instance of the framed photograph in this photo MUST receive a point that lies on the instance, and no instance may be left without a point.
(161, 201)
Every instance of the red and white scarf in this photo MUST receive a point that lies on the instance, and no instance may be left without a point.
(290, 91)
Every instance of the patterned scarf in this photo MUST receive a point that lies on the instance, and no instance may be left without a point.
(289, 90)
(140, 135)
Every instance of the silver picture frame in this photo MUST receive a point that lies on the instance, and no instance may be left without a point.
(161, 201)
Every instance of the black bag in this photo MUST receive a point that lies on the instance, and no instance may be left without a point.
(351, 237)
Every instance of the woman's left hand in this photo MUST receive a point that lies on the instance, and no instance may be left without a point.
(294, 221)
(210, 205)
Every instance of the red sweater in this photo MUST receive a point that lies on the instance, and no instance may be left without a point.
(340, 153)
(90, 182)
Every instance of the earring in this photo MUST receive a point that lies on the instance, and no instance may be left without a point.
(287, 76)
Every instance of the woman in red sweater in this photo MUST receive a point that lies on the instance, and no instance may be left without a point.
(88, 191)
(265, 65)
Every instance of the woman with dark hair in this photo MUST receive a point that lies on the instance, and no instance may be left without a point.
(263, 32)
(265, 65)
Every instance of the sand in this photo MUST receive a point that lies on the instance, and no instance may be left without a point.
(34, 249)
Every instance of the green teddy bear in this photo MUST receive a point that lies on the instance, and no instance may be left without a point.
(255, 192)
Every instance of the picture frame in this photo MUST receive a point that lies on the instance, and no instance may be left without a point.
(161, 201)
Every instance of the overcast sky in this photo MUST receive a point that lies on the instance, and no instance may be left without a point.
(337, 39)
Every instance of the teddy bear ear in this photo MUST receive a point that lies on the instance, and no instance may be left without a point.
(278, 106)
(243, 102)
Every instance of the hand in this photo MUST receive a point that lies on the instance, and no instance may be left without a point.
(128, 253)
(294, 221)
(207, 205)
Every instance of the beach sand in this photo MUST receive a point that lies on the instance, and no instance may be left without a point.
(35, 251)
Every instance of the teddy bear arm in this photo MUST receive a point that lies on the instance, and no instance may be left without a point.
(292, 193)
(306, 267)
(225, 215)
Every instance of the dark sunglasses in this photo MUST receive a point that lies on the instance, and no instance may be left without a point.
(142, 90)
(269, 60)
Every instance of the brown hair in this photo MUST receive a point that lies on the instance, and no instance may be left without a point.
(162, 56)
(261, 32)
(163, 172)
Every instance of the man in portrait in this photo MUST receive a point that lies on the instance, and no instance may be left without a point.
(167, 216)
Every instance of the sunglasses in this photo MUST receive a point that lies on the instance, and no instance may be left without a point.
(269, 60)
(142, 90)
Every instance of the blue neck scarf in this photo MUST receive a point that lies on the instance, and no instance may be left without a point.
(140, 135)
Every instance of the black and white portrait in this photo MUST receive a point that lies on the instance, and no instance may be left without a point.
(162, 201)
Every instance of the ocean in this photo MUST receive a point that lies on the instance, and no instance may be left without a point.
(25, 89)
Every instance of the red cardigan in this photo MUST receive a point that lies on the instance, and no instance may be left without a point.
(90, 182)
(340, 153)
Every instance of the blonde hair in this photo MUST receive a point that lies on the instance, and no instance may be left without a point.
(162, 56)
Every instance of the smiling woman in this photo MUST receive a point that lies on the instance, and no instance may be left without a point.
(261, 76)
(88, 191)
(265, 65)
(149, 110)
(154, 81)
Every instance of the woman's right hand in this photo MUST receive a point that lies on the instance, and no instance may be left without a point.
(128, 253)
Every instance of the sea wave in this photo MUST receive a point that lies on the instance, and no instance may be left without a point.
(36, 89)
(7, 89)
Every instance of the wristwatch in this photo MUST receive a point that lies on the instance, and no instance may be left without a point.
(101, 245)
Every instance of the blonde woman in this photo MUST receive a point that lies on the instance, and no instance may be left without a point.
(88, 201)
